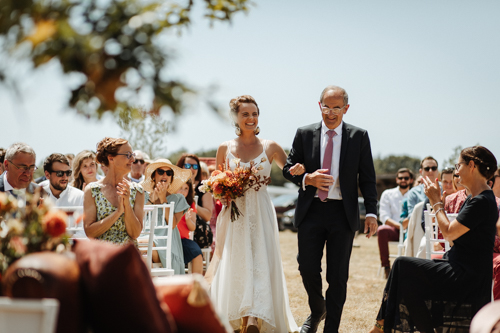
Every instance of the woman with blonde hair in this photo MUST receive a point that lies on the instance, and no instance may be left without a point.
(114, 206)
(84, 169)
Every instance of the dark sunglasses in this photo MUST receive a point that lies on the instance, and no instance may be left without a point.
(456, 176)
(405, 178)
(62, 173)
(139, 161)
(433, 168)
(162, 172)
(189, 166)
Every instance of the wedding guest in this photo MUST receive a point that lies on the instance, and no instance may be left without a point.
(162, 181)
(57, 170)
(19, 165)
(137, 173)
(204, 170)
(454, 202)
(390, 212)
(419, 290)
(447, 180)
(2, 158)
(70, 158)
(205, 200)
(113, 206)
(428, 168)
(85, 169)
(192, 252)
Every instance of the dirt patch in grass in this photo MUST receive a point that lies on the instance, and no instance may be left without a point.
(364, 288)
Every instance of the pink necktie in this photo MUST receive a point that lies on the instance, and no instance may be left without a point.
(327, 161)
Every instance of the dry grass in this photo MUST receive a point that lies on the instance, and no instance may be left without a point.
(364, 289)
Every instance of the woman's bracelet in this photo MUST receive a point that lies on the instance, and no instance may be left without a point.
(437, 203)
(437, 211)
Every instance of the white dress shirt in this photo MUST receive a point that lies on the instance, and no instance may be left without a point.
(390, 204)
(71, 196)
(21, 193)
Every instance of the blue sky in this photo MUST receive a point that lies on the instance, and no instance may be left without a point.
(422, 77)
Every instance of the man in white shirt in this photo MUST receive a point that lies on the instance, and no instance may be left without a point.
(58, 172)
(19, 165)
(138, 167)
(390, 211)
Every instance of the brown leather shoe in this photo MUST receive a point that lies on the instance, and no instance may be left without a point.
(252, 325)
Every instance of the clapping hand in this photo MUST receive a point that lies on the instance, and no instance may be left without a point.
(123, 191)
(433, 190)
(161, 190)
(297, 170)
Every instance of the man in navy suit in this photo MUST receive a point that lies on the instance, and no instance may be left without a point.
(337, 157)
(19, 165)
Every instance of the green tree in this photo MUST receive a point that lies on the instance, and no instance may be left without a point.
(144, 131)
(112, 46)
(450, 162)
(391, 164)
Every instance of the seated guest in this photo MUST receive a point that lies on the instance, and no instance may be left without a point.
(114, 206)
(2, 158)
(70, 158)
(390, 211)
(57, 170)
(19, 165)
(192, 251)
(447, 180)
(85, 169)
(428, 168)
(419, 291)
(137, 173)
(162, 181)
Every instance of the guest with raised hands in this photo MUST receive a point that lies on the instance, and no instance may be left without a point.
(162, 180)
(114, 206)
(84, 169)
(420, 290)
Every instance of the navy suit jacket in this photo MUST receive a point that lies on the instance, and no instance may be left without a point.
(356, 165)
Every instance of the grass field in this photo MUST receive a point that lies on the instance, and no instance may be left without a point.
(364, 289)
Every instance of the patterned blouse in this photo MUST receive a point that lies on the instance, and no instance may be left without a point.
(117, 233)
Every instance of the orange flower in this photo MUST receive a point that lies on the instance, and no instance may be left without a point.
(54, 223)
(229, 173)
(215, 173)
(217, 189)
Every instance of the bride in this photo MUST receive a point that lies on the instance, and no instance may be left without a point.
(247, 281)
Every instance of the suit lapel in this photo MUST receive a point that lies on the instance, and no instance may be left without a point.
(346, 135)
(317, 146)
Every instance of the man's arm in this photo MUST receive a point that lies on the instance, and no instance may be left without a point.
(296, 156)
(385, 211)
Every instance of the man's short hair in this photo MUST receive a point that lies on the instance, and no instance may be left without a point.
(56, 157)
(70, 156)
(2, 155)
(428, 158)
(403, 170)
(328, 88)
(19, 147)
(447, 171)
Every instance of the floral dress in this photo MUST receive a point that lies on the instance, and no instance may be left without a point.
(117, 233)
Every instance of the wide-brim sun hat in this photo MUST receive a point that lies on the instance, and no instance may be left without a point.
(181, 176)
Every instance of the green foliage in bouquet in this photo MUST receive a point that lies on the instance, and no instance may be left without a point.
(29, 228)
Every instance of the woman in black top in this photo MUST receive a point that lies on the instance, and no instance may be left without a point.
(422, 294)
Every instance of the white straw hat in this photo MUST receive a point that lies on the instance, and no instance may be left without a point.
(180, 175)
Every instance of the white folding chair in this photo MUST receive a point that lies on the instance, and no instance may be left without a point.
(23, 315)
(432, 232)
(75, 230)
(152, 224)
(400, 244)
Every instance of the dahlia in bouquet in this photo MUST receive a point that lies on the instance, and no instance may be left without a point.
(28, 228)
(229, 185)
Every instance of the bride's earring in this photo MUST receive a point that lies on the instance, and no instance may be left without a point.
(256, 131)
(238, 131)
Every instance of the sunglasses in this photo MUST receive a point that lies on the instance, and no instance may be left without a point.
(128, 154)
(189, 166)
(62, 173)
(139, 161)
(456, 176)
(404, 178)
(433, 168)
(162, 172)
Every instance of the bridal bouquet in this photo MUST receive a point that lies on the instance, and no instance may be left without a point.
(29, 228)
(229, 185)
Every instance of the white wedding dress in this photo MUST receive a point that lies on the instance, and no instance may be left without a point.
(248, 278)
